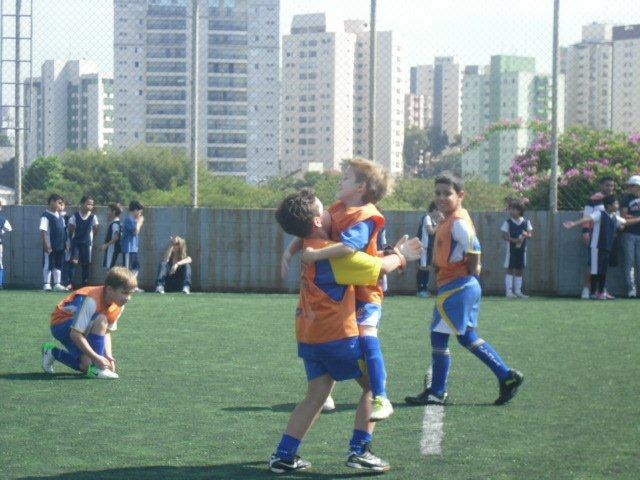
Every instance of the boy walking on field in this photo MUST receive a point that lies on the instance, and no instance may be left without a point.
(457, 260)
(327, 333)
(83, 323)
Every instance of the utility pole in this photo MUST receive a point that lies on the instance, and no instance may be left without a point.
(194, 104)
(372, 81)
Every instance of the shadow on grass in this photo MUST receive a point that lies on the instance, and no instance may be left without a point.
(229, 471)
(31, 376)
(288, 407)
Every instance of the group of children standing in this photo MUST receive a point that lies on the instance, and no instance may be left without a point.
(67, 241)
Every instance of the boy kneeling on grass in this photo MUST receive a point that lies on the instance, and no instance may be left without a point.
(83, 323)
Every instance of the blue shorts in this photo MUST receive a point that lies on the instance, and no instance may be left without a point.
(457, 306)
(341, 360)
(81, 251)
(62, 333)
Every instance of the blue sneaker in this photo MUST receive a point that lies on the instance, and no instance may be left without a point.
(423, 294)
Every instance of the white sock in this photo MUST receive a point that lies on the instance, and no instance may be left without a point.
(508, 283)
(517, 281)
(57, 274)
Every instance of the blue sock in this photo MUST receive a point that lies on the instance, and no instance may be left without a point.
(485, 352)
(97, 343)
(1, 276)
(375, 364)
(65, 357)
(288, 447)
(359, 441)
(441, 362)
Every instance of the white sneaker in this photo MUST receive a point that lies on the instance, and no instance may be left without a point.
(47, 357)
(47, 287)
(521, 295)
(511, 295)
(138, 290)
(382, 408)
(585, 294)
(186, 290)
(103, 373)
(59, 288)
(632, 293)
(329, 405)
(160, 289)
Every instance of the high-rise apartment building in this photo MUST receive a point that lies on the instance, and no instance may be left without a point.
(390, 87)
(625, 114)
(325, 97)
(447, 82)
(317, 96)
(419, 100)
(236, 47)
(71, 108)
(589, 73)
(508, 92)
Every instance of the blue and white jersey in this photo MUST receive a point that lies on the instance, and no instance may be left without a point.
(604, 239)
(53, 224)
(128, 235)
(515, 228)
(84, 226)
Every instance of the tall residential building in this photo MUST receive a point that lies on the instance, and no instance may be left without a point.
(508, 91)
(71, 108)
(414, 111)
(317, 96)
(447, 83)
(589, 73)
(421, 84)
(625, 115)
(237, 81)
(390, 87)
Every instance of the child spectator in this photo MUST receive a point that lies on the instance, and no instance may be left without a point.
(515, 231)
(630, 208)
(53, 235)
(174, 271)
(605, 224)
(5, 227)
(129, 241)
(356, 224)
(83, 226)
(426, 234)
(111, 245)
(327, 333)
(457, 257)
(83, 323)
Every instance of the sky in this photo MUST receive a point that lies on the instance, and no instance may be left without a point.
(472, 30)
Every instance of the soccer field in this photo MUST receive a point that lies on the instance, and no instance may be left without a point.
(208, 381)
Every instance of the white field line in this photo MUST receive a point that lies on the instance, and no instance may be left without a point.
(432, 425)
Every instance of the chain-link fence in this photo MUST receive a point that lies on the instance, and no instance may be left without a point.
(231, 102)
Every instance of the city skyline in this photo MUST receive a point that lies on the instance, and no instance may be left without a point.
(83, 29)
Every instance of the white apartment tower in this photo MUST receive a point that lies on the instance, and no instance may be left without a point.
(418, 103)
(508, 91)
(237, 81)
(71, 108)
(317, 96)
(447, 83)
(626, 79)
(589, 72)
(389, 115)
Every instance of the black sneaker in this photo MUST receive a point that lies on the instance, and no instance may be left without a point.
(427, 397)
(279, 465)
(367, 461)
(509, 387)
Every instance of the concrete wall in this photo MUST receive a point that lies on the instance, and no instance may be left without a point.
(239, 250)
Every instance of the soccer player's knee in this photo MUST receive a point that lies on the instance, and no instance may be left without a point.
(439, 340)
(470, 339)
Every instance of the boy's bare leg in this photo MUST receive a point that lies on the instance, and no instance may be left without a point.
(308, 410)
(363, 412)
